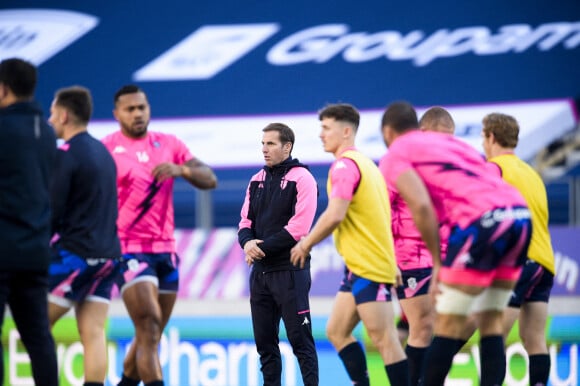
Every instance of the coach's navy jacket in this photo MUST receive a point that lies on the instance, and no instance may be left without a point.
(271, 205)
(27, 152)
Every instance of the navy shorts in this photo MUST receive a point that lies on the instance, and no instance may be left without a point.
(364, 290)
(75, 279)
(415, 283)
(493, 247)
(534, 285)
(161, 269)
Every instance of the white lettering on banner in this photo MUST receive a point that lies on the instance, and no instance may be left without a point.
(213, 363)
(212, 48)
(206, 52)
(566, 271)
(39, 34)
(321, 43)
(17, 358)
(572, 379)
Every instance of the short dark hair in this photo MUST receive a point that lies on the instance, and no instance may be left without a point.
(19, 76)
(77, 100)
(341, 112)
(284, 131)
(400, 116)
(127, 89)
(505, 129)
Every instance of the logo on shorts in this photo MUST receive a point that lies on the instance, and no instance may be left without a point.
(306, 321)
(412, 283)
(465, 258)
(133, 265)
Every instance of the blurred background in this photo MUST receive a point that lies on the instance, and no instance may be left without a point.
(217, 72)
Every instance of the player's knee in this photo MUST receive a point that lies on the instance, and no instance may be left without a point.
(148, 326)
(335, 336)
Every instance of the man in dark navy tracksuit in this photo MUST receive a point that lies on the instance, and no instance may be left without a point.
(27, 152)
(278, 210)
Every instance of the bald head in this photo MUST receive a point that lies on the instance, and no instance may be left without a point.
(437, 119)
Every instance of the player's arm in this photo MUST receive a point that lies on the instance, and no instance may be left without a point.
(59, 188)
(194, 171)
(199, 174)
(246, 236)
(332, 216)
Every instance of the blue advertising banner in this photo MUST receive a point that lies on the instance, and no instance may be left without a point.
(220, 351)
(245, 57)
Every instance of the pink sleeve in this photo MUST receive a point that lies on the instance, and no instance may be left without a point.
(245, 222)
(305, 208)
(345, 177)
(181, 153)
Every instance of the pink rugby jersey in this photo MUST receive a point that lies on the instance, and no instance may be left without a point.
(411, 251)
(146, 222)
(456, 175)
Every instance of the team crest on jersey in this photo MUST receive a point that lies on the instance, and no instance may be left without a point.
(156, 144)
(412, 283)
(119, 149)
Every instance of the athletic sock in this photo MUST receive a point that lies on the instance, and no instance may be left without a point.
(398, 373)
(126, 381)
(415, 357)
(460, 344)
(155, 383)
(539, 369)
(438, 360)
(354, 360)
(492, 360)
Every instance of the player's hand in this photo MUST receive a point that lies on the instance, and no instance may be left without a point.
(249, 260)
(298, 254)
(253, 251)
(167, 170)
(434, 285)
(398, 278)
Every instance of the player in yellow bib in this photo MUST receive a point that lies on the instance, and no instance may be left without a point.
(530, 298)
(359, 217)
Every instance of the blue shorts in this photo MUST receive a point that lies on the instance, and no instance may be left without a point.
(161, 269)
(363, 289)
(415, 283)
(75, 279)
(534, 285)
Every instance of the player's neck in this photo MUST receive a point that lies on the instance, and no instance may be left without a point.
(497, 151)
(71, 131)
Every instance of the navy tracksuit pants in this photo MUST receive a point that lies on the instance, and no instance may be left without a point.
(26, 293)
(283, 295)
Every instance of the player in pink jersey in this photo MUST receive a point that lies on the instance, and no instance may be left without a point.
(443, 178)
(147, 162)
(415, 261)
